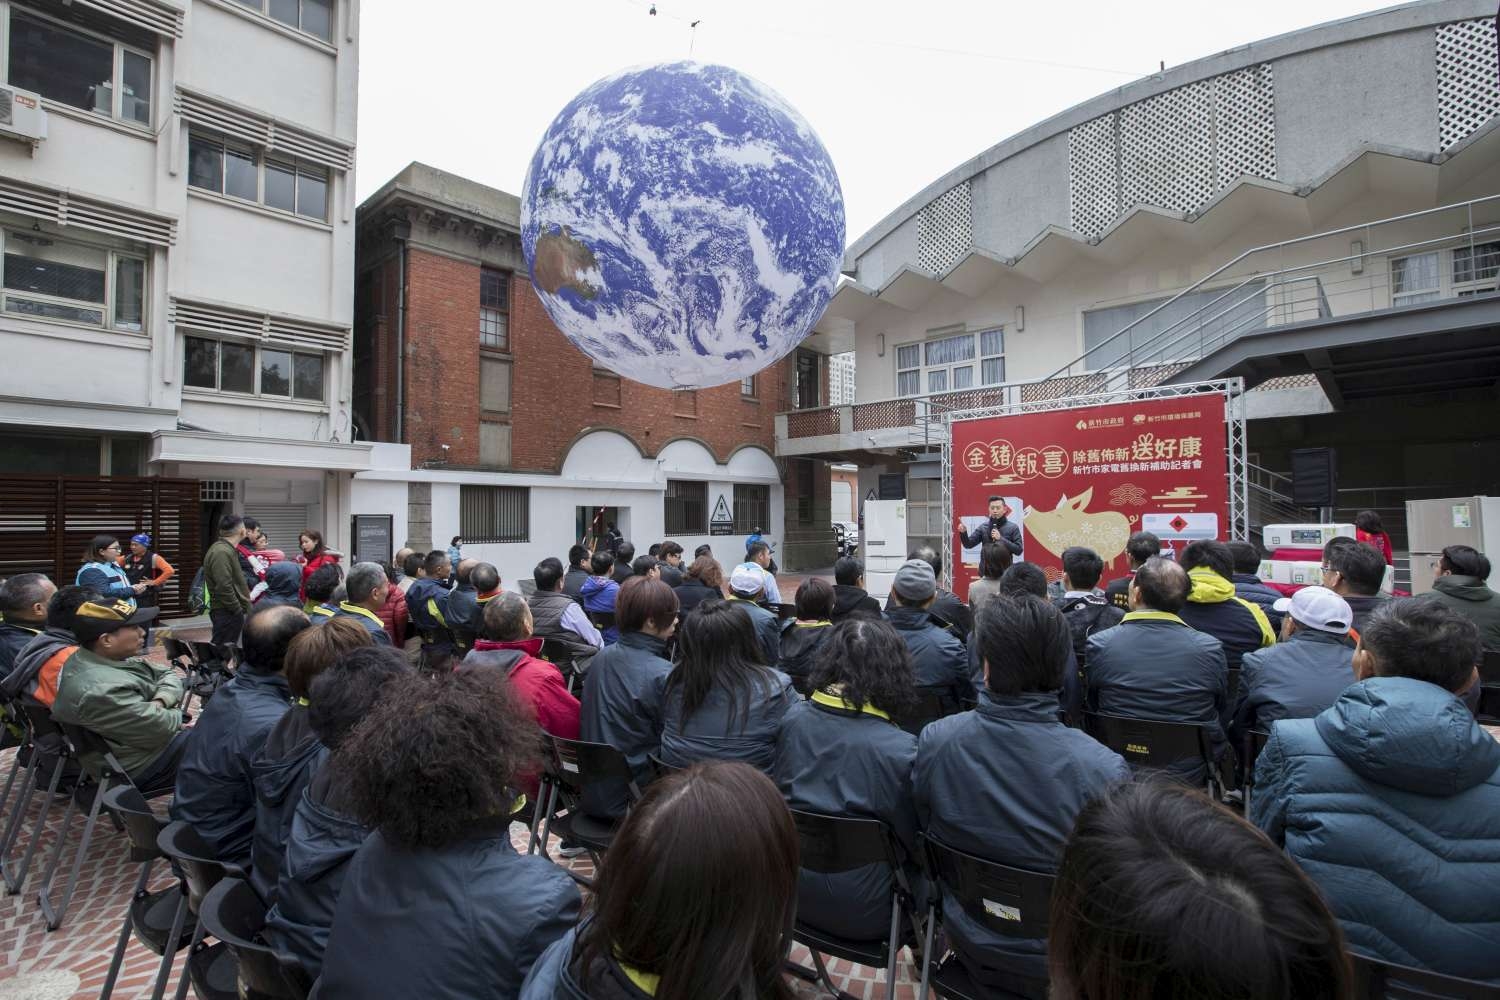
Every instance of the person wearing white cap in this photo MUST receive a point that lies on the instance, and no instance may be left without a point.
(1304, 673)
(747, 585)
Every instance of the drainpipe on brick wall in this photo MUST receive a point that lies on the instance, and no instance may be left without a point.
(401, 349)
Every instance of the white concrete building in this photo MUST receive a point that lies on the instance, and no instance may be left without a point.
(841, 379)
(1317, 212)
(179, 249)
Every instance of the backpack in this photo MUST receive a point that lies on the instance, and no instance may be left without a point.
(1085, 617)
(197, 595)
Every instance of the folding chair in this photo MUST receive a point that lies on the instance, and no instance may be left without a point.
(158, 919)
(1010, 901)
(211, 969)
(1489, 689)
(783, 612)
(661, 768)
(15, 731)
(110, 772)
(1255, 741)
(932, 704)
(557, 653)
(1234, 686)
(1377, 980)
(575, 765)
(1155, 744)
(833, 844)
(235, 914)
(51, 757)
(601, 620)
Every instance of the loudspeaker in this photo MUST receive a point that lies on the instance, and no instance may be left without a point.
(1315, 477)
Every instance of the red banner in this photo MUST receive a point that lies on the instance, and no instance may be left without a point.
(1091, 476)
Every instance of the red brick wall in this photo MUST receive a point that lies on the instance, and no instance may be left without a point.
(552, 383)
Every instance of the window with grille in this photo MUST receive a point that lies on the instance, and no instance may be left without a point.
(952, 362)
(494, 513)
(216, 490)
(1415, 279)
(924, 508)
(56, 279)
(1476, 268)
(685, 508)
(752, 507)
(494, 309)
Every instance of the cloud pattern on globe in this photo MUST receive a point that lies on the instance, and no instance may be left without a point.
(683, 224)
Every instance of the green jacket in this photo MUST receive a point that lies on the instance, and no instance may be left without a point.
(1472, 598)
(223, 579)
(116, 700)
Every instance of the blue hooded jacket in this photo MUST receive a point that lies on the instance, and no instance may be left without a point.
(1390, 801)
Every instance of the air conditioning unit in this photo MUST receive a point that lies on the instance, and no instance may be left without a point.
(21, 115)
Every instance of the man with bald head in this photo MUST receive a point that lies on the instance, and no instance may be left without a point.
(215, 793)
(1153, 665)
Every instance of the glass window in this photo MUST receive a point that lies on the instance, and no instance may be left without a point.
(949, 349)
(317, 18)
(992, 350)
(281, 186)
(908, 383)
(909, 356)
(200, 362)
(130, 294)
(908, 377)
(236, 368)
(135, 87)
(993, 371)
(62, 64)
(241, 179)
(307, 377)
(205, 164)
(992, 342)
(494, 300)
(1414, 279)
(963, 378)
(312, 193)
(286, 11)
(275, 373)
(685, 508)
(937, 381)
(1479, 263)
(747, 387)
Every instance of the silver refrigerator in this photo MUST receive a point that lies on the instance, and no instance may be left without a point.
(1432, 525)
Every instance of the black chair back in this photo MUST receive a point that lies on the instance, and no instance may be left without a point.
(142, 826)
(557, 653)
(661, 768)
(1489, 668)
(784, 612)
(200, 869)
(463, 637)
(1151, 743)
(179, 652)
(833, 844)
(1234, 685)
(94, 749)
(584, 763)
(1377, 980)
(930, 704)
(206, 656)
(235, 914)
(1009, 901)
(601, 620)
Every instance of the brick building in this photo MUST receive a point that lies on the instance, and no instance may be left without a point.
(496, 428)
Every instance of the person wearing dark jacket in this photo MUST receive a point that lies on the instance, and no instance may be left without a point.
(999, 528)
(672, 568)
(1388, 799)
(1248, 585)
(324, 833)
(849, 594)
(624, 692)
(461, 611)
(624, 556)
(694, 903)
(722, 702)
(437, 903)
(1304, 673)
(802, 638)
(600, 594)
(366, 589)
(39, 663)
(1006, 780)
(1355, 571)
(747, 588)
(1458, 581)
(1153, 665)
(226, 594)
(283, 585)
(558, 619)
(292, 752)
(215, 793)
(842, 754)
(506, 644)
(704, 581)
(946, 609)
(23, 602)
(1213, 608)
(427, 610)
(578, 572)
(939, 662)
(1139, 547)
(1084, 609)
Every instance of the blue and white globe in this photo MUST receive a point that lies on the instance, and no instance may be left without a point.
(683, 225)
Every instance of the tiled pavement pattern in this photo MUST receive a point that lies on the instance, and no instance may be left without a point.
(71, 962)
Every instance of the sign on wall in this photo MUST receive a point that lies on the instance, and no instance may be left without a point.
(722, 521)
(373, 539)
(1093, 475)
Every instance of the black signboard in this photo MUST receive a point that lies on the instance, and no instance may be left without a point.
(372, 537)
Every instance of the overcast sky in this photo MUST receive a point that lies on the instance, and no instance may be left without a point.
(900, 91)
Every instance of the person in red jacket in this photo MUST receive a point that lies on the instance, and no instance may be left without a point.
(506, 643)
(1367, 528)
(314, 554)
(393, 614)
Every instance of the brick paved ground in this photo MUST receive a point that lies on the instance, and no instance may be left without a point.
(71, 962)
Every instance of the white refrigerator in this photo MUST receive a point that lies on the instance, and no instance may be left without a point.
(1432, 525)
(883, 545)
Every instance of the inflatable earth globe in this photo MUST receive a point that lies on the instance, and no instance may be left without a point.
(683, 225)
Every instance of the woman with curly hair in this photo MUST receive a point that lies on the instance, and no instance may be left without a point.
(842, 753)
(693, 899)
(722, 701)
(437, 903)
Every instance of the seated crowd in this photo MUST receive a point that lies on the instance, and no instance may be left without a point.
(369, 791)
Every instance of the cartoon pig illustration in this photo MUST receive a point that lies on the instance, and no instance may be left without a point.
(1070, 523)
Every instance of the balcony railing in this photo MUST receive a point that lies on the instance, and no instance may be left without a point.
(1254, 292)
